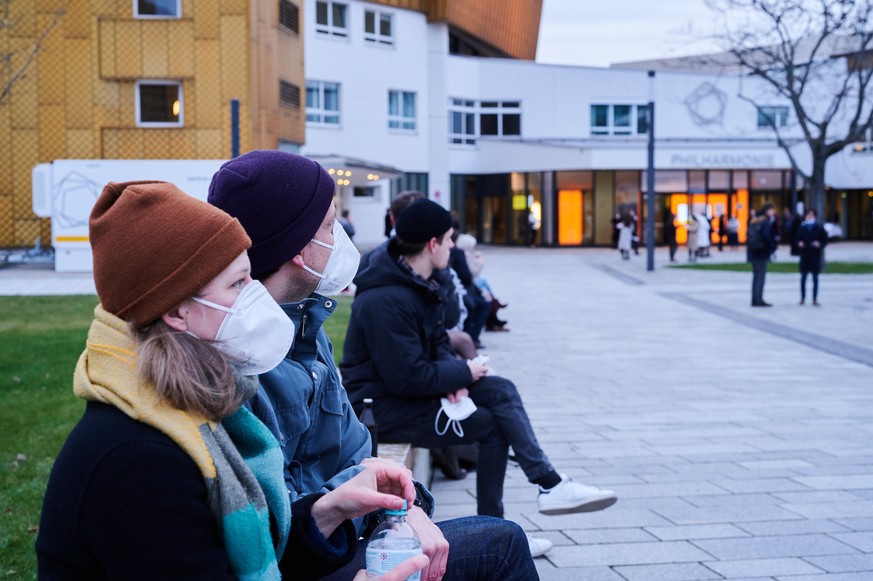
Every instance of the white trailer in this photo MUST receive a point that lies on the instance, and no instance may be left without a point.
(65, 191)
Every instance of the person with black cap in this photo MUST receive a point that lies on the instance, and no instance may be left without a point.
(397, 353)
(302, 255)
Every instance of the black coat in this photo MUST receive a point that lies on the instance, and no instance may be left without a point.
(396, 349)
(124, 501)
(810, 256)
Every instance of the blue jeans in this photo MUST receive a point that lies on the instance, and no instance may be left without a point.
(479, 548)
(499, 421)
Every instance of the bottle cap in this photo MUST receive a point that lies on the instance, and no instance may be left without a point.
(398, 512)
(368, 400)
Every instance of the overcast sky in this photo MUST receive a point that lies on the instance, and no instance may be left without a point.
(601, 32)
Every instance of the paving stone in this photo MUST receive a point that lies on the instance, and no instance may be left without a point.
(791, 527)
(626, 554)
(678, 572)
(679, 533)
(607, 536)
(861, 541)
(774, 547)
(549, 572)
(762, 568)
(843, 563)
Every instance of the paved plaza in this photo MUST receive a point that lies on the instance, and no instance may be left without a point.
(739, 440)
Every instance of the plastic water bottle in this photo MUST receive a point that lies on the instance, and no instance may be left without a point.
(393, 542)
(369, 420)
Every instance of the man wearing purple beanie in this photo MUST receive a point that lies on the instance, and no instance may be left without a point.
(302, 255)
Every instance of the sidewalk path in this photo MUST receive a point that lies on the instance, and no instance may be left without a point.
(739, 440)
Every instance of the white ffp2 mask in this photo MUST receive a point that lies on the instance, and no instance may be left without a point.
(342, 265)
(256, 333)
(456, 412)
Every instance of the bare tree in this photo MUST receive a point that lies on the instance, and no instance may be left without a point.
(14, 63)
(817, 55)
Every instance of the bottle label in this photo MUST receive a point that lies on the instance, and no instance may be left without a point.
(383, 560)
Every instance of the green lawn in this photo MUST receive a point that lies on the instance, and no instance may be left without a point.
(830, 268)
(40, 340)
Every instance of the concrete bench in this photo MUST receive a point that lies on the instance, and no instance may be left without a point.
(416, 459)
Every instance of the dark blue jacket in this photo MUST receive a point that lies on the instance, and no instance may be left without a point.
(769, 236)
(810, 256)
(397, 350)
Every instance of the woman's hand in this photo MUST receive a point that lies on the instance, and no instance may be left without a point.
(381, 484)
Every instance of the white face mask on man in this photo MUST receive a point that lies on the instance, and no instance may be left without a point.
(256, 333)
(342, 265)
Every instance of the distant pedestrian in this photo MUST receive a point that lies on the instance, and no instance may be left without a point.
(692, 227)
(733, 232)
(704, 241)
(670, 234)
(616, 220)
(389, 223)
(533, 224)
(346, 222)
(635, 240)
(811, 240)
(722, 231)
(760, 246)
(625, 230)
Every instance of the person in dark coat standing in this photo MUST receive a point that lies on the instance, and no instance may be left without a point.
(670, 235)
(810, 242)
(760, 246)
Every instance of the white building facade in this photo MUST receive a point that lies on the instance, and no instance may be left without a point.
(505, 143)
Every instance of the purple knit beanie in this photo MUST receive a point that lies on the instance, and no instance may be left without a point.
(280, 199)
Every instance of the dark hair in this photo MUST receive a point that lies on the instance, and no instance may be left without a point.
(812, 211)
(767, 206)
(410, 249)
(344, 213)
(403, 201)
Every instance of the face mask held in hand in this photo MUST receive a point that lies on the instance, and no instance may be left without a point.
(256, 334)
(342, 265)
(455, 412)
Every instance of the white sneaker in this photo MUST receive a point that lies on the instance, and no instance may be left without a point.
(538, 546)
(570, 496)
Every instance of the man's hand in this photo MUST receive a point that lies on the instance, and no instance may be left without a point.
(398, 573)
(380, 485)
(478, 370)
(433, 544)
(457, 396)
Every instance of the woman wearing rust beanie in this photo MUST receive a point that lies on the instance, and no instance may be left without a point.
(166, 475)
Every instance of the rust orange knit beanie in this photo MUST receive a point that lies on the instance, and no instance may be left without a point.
(154, 246)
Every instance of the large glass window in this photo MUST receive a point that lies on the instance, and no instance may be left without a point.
(401, 110)
(159, 104)
(772, 116)
(322, 102)
(378, 28)
(330, 18)
(462, 122)
(157, 8)
(618, 119)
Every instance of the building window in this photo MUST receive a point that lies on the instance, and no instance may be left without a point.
(377, 27)
(159, 104)
(772, 116)
(289, 94)
(499, 118)
(157, 8)
(462, 122)
(618, 120)
(364, 192)
(330, 18)
(401, 110)
(322, 102)
(289, 16)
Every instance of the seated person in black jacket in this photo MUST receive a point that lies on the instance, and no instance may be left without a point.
(166, 475)
(397, 352)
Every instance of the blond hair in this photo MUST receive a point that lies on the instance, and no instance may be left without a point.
(188, 373)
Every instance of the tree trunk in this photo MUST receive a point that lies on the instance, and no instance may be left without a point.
(817, 191)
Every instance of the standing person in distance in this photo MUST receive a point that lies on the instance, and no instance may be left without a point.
(810, 242)
(760, 245)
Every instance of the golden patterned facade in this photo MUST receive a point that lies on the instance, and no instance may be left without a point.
(77, 99)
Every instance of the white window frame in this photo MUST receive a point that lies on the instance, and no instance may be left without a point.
(138, 104)
(780, 115)
(611, 129)
(376, 37)
(175, 16)
(402, 123)
(500, 109)
(321, 112)
(330, 29)
(463, 107)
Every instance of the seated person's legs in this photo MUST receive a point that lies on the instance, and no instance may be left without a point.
(480, 548)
